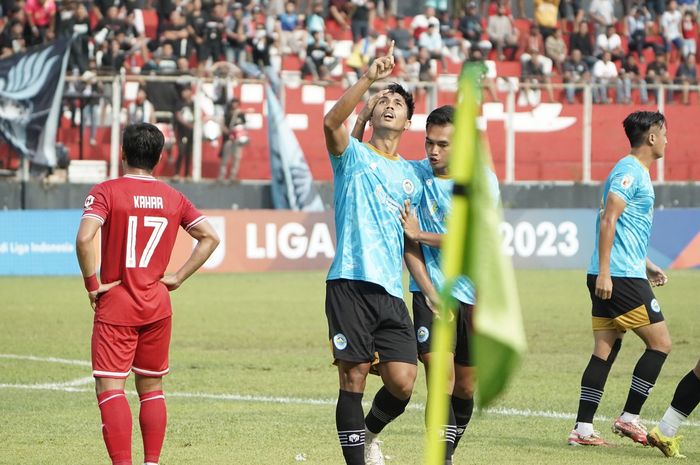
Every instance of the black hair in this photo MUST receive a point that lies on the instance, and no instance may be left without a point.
(441, 116)
(142, 144)
(637, 125)
(395, 88)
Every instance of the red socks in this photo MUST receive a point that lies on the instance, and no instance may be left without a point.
(153, 419)
(116, 425)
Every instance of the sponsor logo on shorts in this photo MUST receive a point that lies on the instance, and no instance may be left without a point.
(655, 306)
(408, 186)
(340, 341)
(422, 334)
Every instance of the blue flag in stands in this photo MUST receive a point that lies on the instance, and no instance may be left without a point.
(31, 88)
(292, 184)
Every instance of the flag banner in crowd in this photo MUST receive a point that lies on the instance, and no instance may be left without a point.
(472, 247)
(292, 184)
(31, 89)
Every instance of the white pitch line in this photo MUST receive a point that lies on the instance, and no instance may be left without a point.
(33, 358)
(500, 411)
(73, 386)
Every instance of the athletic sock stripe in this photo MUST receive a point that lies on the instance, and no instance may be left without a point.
(381, 416)
(595, 400)
(591, 390)
(643, 392)
(111, 397)
(153, 398)
(641, 382)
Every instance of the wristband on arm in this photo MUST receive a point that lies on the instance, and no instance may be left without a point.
(91, 283)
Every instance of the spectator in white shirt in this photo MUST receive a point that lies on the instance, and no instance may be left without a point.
(431, 40)
(604, 74)
(671, 26)
(602, 13)
(610, 42)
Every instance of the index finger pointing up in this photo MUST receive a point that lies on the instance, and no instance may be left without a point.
(390, 53)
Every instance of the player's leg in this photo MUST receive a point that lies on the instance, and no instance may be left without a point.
(423, 326)
(395, 345)
(685, 400)
(647, 321)
(112, 353)
(607, 345)
(150, 365)
(608, 340)
(463, 392)
(348, 319)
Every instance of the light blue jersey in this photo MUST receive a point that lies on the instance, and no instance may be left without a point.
(435, 206)
(630, 181)
(369, 191)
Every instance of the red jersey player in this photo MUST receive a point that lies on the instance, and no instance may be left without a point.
(139, 218)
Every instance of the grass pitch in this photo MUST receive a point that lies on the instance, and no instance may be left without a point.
(252, 383)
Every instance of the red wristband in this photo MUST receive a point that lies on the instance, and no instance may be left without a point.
(91, 283)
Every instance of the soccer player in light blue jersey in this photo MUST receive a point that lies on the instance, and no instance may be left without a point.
(620, 277)
(368, 322)
(428, 228)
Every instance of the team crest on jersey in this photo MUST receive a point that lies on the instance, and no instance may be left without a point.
(627, 181)
(408, 186)
(655, 305)
(89, 200)
(373, 166)
(422, 334)
(340, 341)
(428, 182)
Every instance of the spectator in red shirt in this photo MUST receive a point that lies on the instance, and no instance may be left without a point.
(41, 15)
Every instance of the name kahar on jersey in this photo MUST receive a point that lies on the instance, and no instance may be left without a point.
(148, 201)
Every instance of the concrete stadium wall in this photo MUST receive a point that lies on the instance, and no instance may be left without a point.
(252, 195)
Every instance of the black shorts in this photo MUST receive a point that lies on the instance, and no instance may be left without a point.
(367, 324)
(423, 325)
(631, 306)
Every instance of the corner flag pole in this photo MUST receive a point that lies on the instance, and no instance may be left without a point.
(463, 150)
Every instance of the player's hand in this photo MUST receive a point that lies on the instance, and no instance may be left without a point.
(171, 282)
(409, 221)
(104, 287)
(382, 67)
(656, 275)
(603, 287)
(366, 113)
(434, 304)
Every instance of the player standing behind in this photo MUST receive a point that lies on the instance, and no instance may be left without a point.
(619, 278)
(428, 228)
(685, 399)
(139, 218)
(368, 321)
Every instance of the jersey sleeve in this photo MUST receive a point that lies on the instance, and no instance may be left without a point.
(97, 204)
(191, 217)
(349, 154)
(624, 184)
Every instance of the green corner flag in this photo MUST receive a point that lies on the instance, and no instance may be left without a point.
(472, 247)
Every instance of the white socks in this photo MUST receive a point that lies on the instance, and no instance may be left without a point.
(670, 422)
(628, 417)
(584, 429)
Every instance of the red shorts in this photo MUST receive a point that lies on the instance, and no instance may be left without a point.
(117, 350)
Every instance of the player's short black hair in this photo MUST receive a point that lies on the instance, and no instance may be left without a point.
(441, 116)
(637, 125)
(142, 144)
(407, 97)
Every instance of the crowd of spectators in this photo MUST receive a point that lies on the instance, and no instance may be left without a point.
(627, 50)
(607, 43)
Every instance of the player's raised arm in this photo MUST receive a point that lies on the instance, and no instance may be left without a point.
(207, 241)
(85, 249)
(365, 115)
(614, 206)
(336, 135)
